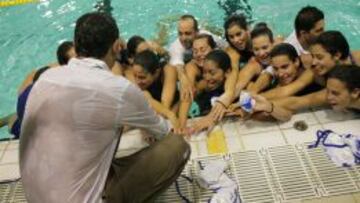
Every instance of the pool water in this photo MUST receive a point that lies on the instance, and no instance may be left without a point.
(30, 34)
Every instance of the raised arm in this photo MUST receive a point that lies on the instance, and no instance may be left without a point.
(183, 112)
(251, 69)
(28, 80)
(306, 78)
(192, 71)
(271, 108)
(169, 88)
(162, 110)
(296, 103)
(261, 83)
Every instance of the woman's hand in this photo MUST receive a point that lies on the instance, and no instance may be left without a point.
(187, 90)
(238, 112)
(203, 123)
(262, 104)
(176, 127)
(218, 111)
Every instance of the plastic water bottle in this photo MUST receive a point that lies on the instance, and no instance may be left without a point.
(246, 102)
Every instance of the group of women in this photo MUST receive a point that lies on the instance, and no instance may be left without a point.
(269, 69)
(276, 76)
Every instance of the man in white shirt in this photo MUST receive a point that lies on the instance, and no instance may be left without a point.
(72, 127)
(309, 24)
(180, 50)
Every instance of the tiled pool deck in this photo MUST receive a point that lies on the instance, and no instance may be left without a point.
(269, 161)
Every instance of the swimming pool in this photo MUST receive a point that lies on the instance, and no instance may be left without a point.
(30, 33)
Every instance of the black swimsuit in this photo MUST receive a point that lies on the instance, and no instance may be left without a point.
(203, 99)
(245, 56)
(156, 88)
(21, 103)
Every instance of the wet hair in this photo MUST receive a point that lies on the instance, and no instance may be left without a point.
(209, 39)
(62, 52)
(284, 49)
(348, 74)
(95, 33)
(221, 58)
(239, 20)
(262, 29)
(191, 17)
(148, 60)
(306, 19)
(123, 57)
(133, 44)
(333, 42)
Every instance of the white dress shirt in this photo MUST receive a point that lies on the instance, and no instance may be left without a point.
(71, 127)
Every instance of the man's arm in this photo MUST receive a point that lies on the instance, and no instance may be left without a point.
(135, 111)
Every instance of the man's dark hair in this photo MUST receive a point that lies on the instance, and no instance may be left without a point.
(191, 17)
(221, 58)
(306, 19)
(62, 52)
(348, 74)
(262, 29)
(133, 44)
(284, 49)
(209, 39)
(334, 42)
(148, 60)
(95, 33)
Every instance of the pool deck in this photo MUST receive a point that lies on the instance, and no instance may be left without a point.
(270, 162)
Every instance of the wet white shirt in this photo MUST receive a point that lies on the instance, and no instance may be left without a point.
(177, 50)
(293, 40)
(71, 128)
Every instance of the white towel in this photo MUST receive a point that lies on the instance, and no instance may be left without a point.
(213, 177)
(211, 173)
(343, 150)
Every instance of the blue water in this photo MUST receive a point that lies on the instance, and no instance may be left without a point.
(30, 34)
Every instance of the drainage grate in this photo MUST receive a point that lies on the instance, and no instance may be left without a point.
(356, 175)
(277, 174)
(333, 180)
(18, 195)
(295, 183)
(252, 177)
(5, 190)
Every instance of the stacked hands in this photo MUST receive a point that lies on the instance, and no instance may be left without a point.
(220, 109)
